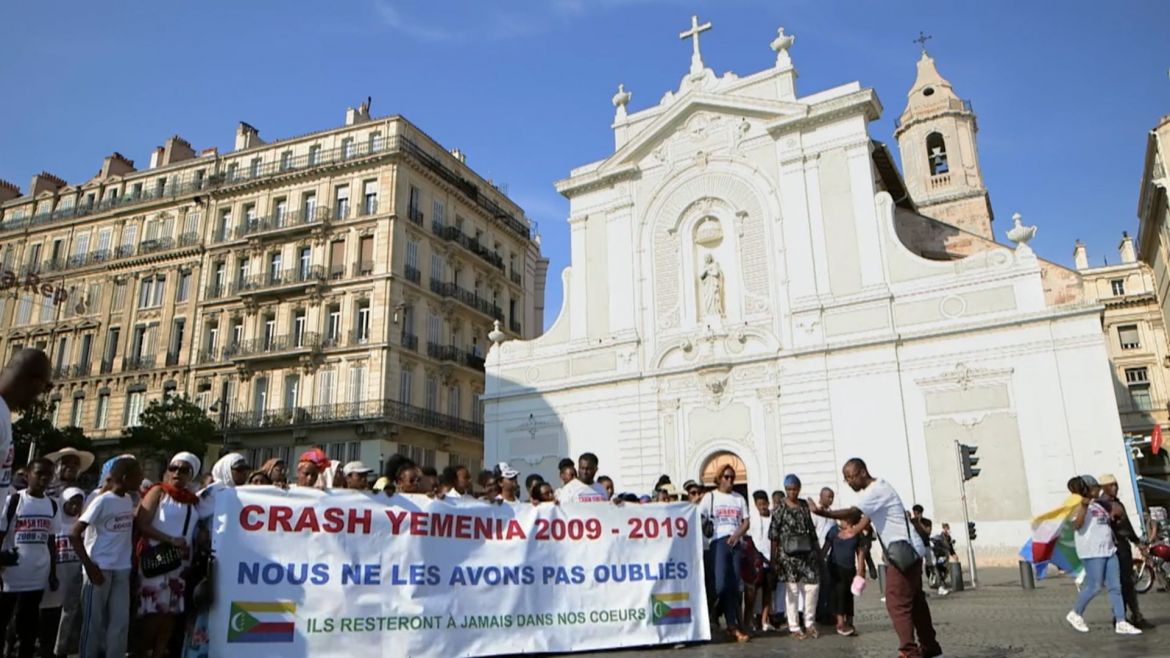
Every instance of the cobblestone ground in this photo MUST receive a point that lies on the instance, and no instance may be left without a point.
(998, 619)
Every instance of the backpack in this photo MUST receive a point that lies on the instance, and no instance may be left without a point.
(13, 501)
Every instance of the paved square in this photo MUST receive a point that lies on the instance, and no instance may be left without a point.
(998, 619)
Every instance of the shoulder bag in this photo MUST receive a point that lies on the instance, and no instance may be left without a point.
(708, 521)
(900, 553)
(163, 558)
(798, 545)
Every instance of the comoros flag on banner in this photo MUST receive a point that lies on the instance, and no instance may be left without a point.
(1052, 541)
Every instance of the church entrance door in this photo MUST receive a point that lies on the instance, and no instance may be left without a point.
(714, 465)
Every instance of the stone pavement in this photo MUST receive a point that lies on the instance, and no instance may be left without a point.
(998, 619)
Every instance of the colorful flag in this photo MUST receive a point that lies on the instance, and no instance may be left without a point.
(1053, 540)
(671, 608)
(262, 622)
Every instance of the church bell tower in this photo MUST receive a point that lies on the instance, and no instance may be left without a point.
(940, 161)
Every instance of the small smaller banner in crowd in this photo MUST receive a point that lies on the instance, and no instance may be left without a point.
(310, 573)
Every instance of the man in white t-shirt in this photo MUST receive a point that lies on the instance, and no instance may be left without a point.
(23, 380)
(583, 489)
(29, 524)
(881, 507)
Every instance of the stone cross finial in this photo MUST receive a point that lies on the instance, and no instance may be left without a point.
(693, 35)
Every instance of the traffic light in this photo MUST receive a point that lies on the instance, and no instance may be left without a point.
(967, 455)
(971, 531)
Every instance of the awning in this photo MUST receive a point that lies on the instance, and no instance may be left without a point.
(1159, 486)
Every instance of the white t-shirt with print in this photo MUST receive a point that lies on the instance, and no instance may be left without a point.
(886, 512)
(68, 565)
(1095, 537)
(726, 510)
(758, 531)
(32, 523)
(579, 492)
(110, 518)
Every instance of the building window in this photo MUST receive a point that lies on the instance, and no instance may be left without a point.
(337, 259)
(223, 225)
(135, 404)
(375, 142)
(75, 414)
(365, 255)
(1137, 379)
(405, 386)
(362, 329)
(936, 150)
(437, 209)
(357, 383)
(1118, 286)
(184, 288)
(1128, 336)
(299, 321)
(280, 211)
(353, 451)
(412, 205)
(314, 155)
(324, 387)
(103, 411)
(254, 168)
(347, 148)
(269, 333)
(341, 207)
(286, 160)
(333, 325)
(454, 403)
(432, 399)
(309, 206)
(304, 262)
(150, 291)
(369, 197)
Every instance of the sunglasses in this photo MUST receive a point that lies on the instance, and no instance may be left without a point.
(179, 468)
(726, 477)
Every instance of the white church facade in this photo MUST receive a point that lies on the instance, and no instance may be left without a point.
(741, 288)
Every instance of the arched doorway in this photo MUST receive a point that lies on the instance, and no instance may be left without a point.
(715, 464)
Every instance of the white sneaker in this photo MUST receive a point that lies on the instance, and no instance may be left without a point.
(942, 591)
(1125, 628)
(768, 627)
(1077, 622)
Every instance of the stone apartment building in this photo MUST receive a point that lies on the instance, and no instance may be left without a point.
(1135, 335)
(332, 289)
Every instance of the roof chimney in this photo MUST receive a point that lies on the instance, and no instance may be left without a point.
(8, 191)
(156, 157)
(177, 149)
(247, 137)
(1080, 256)
(459, 155)
(44, 182)
(1125, 249)
(116, 164)
(360, 115)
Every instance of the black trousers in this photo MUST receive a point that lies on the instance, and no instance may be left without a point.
(841, 594)
(50, 620)
(1128, 591)
(27, 606)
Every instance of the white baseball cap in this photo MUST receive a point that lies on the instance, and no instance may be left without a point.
(357, 468)
(506, 471)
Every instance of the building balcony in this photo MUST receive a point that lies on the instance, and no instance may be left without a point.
(453, 234)
(172, 359)
(444, 352)
(453, 291)
(274, 347)
(71, 372)
(360, 337)
(410, 342)
(368, 207)
(412, 274)
(185, 186)
(107, 366)
(938, 181)
(135, 363)
(344, 413)
(364, 268)
(282, 224)
(207, 356)
(269, 283)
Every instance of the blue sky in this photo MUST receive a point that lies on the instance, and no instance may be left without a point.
(1065, 99)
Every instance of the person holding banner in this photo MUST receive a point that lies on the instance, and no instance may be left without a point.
(583, 489)
(509, 486)
(728, 513)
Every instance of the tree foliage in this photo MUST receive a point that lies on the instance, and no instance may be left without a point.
(167, 426)
(36, 425)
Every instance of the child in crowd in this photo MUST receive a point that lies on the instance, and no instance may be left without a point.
(60, 610)
(102, 540)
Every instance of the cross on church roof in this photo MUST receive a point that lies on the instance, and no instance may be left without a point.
(922, 39)
(693, 35)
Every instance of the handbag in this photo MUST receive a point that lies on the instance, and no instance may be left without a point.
(900, 553)
(798, 545)
(708, 522)
(163, 558)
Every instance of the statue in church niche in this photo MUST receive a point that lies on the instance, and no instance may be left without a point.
(711, 287)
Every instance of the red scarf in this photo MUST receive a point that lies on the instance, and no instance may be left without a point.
(184, 496)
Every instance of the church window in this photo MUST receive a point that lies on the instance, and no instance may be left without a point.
(1118, 286)
(936, 150)
(1128, 336)
(929, 91)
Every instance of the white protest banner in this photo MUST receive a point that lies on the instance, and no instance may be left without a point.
(310, 573)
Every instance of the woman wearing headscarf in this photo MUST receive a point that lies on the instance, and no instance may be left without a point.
(167, 516)
(796, 558)
(276, 472)
(310, 466)
(230, 471)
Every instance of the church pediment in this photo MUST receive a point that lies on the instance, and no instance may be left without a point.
(693, 119)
